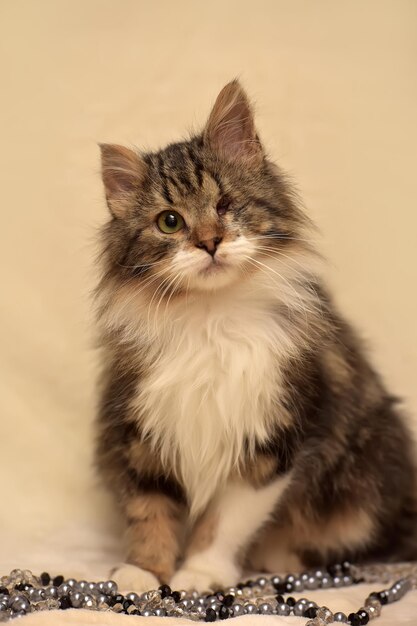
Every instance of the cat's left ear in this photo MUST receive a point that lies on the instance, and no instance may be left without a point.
(123, 172)
(230, 130)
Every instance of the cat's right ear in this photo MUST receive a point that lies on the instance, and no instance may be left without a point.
(123, 172)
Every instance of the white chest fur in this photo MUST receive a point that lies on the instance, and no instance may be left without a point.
(213, 375)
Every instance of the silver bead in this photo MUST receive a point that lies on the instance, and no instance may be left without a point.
(347, 580)
(160, 613)
(102, 601)
(319, 573)
(148, 613)
(51, 592)
(311, 605)
(276, 580)
(238, 609)
(81, 585)
(326, 582)
(283, 609)
(340, 617)
(304, 577)
(64, 589)
(186, 604)
(110, 587)
(338, 582)
(290, 578)
(299, 608)
(77, 599)
(393, 595)
(133, 597)
(311, 583)
(251, 609)
(71, 582)
(20, 603)
(298, 585)
(262, 581)
(37, 595)
(92, 588)
(265, 609)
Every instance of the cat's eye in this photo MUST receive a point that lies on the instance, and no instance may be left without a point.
(223, 205)
(170, 222)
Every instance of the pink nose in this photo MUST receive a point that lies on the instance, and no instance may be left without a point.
(209, 245)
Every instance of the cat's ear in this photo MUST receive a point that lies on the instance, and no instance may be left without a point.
(230, 130)
(123, 172)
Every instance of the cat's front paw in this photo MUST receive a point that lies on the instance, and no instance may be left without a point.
(203, 576)
(131, 578)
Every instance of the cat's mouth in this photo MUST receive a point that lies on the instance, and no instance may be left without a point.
(213, 267)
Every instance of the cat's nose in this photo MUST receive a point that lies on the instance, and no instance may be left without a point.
(209, 245)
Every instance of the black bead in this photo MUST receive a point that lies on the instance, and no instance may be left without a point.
(20, 587)
(281, 587)
(45, 578)
(249, 583)
(364, 617)
(354, 619)
(280, 599)
(311, 612)
(211, 615)
(5, 591)
(165, 591)
(58, 580)
(127, 604)
(289, 587)
(290, 601)
(383, 597)
(346, 567)
(228, 600)
(65, 602)
(334, 570)
(135, 612)
(176, 596)
(224, 612)
(240, 586)
(219, 595)
(118, 599)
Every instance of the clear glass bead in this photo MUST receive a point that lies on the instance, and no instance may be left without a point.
(42, 605)
(52, 604)
(325, 614)
(154, 599)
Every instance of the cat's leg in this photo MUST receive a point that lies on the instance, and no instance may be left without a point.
(153, 534)
(240, 513)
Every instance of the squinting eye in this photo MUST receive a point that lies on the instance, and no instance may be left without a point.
(223, 205)
(170, 222)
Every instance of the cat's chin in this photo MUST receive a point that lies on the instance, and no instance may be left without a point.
(213, 277)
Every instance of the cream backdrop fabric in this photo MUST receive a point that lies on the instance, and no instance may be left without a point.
(335, 85)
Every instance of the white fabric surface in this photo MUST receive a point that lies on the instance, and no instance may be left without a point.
(336, 90)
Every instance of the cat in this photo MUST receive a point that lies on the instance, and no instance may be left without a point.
(240, 423)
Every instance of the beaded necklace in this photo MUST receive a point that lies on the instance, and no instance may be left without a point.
(21, 593)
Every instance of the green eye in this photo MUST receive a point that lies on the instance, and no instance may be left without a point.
(170, 222)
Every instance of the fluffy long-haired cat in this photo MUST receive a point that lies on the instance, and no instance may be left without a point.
(240, 422)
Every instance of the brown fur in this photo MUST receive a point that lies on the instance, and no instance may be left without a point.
(153, 533)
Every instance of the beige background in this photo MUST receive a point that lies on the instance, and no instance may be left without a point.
(336, 90)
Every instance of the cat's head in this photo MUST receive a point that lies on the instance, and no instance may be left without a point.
(200, 215)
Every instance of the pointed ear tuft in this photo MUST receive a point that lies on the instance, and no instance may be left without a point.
(123, 172)
(230, 130)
